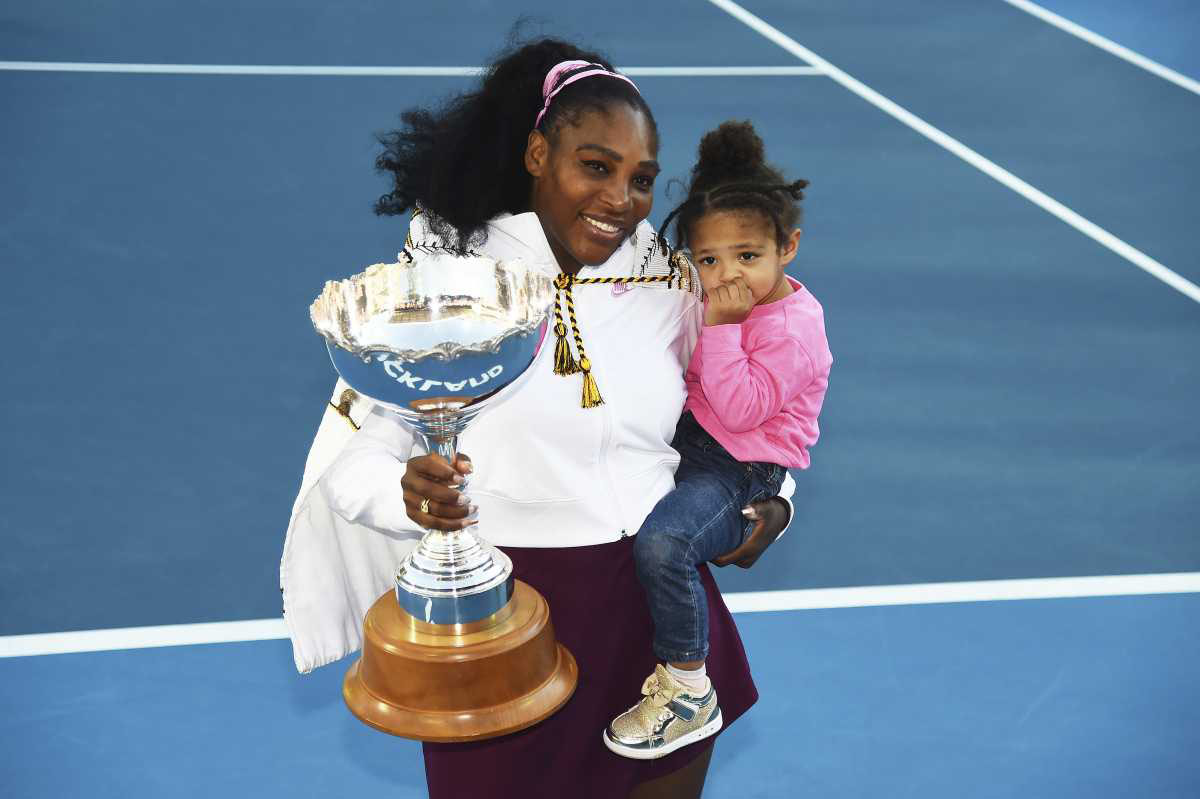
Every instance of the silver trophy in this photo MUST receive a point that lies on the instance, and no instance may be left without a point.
(463, 651)
(436, 337)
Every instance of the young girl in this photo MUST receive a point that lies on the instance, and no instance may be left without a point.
(755, 384)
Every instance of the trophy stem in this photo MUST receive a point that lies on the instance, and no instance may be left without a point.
(452, 576)
(441, 439)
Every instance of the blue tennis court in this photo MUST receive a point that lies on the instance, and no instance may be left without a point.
(992, 582)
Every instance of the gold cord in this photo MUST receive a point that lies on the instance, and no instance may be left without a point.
(564, 363)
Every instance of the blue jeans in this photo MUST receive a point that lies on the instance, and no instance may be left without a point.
(698, 521)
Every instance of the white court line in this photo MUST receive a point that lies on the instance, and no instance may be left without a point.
(718, 71)
(217, 632)
(1137, 59)
(749, 602)
(253, 69)
(990, 168)
(978, 591)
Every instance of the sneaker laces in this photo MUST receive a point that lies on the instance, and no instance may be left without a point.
(657, 692)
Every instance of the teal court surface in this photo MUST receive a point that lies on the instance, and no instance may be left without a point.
(992, 584)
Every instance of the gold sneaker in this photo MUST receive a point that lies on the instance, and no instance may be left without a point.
(667, 718)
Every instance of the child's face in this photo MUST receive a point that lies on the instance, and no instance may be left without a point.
(727, 245)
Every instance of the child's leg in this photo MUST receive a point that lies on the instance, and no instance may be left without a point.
(696, 522)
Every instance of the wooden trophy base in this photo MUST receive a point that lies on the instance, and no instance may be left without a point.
(460, 682)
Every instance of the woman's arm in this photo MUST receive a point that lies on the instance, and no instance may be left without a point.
(786, 490)
(773, 517)
(770, 528)
(363, 483)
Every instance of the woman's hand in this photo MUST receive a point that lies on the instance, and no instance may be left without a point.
(772, 516)
(430, 477)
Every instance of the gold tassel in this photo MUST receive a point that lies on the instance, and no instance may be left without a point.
(564, 363)
(591, 392)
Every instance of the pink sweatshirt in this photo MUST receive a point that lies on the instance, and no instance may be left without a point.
(757, 387)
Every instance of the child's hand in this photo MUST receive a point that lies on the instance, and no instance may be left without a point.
(729, 303)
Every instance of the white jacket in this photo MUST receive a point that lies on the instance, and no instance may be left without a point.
(548, 472)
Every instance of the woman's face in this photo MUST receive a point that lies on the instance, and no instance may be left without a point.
(593, 184)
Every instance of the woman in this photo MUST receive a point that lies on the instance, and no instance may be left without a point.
(553, 159)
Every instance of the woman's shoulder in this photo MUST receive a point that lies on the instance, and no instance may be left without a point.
(506, 236)
(519, 236)
(427, 231)
(656, 263)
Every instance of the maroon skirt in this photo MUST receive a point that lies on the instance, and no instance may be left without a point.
(599, 612)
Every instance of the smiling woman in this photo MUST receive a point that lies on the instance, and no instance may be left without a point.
(444, 161)
(594, 182)
(554, 155)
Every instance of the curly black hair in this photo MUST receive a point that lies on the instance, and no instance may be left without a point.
(465, 161)
(732, 174)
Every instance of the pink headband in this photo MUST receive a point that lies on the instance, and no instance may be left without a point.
(556, 72)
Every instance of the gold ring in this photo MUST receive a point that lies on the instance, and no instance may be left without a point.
(425, 505)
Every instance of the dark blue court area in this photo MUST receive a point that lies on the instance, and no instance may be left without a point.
(1013, 396)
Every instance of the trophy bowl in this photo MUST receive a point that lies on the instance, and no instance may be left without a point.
(459, 650)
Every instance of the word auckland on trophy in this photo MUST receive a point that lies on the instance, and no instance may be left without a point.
(459, 650)
(396, 370)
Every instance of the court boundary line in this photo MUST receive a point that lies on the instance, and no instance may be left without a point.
(227, 632)
(956, 147)
(968, 591)
(1106, 44)
(376, 71)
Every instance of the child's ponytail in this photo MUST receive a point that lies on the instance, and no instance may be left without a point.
(732, 174)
